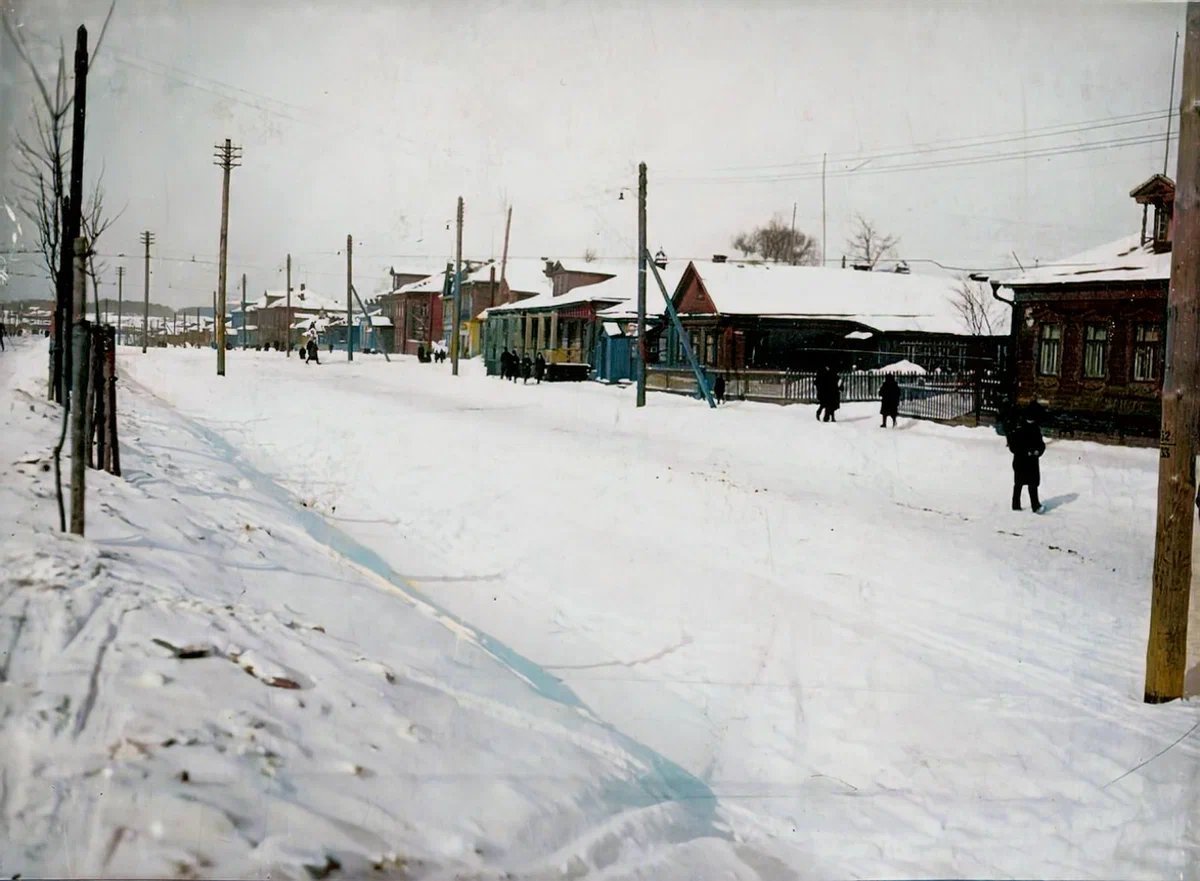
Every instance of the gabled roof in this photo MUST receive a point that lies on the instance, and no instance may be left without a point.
(1126, 259)
(1154, 189)
(883, 301)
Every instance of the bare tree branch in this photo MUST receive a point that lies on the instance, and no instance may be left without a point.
(979, 311)
(867, 245)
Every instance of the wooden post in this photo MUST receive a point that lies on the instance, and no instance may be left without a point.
(1166, 651)
(245, 330)
(120, 297)
(79, 396)
(504, 254)
(147, 240)
(227, 157)
(349, 305)
(98, 431)
(288, 330)
(456, 320)
(112, 462)
(553, 331)
(641, 289)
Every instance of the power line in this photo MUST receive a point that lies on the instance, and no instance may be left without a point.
(973, 141)
(1037, 153)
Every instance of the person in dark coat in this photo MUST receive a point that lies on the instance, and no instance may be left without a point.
(421, 353)
(526, 368)
(504, 364)
(539, 367)
(719, 389)
(889, 401)
(821, 382)
(1026, 444)
(833, 396)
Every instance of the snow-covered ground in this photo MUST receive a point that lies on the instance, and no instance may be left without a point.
(218, 683)
(840, 638)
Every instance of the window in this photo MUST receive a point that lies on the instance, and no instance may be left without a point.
(1050, 350)
(1147, 352)
(710, 348)
(1095, 351)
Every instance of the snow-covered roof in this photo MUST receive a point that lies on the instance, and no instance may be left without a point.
(523, 274)
(431, 283)
(883, 301)
(901, 366)
(1126, 259)
(380, 321)
(603, 292)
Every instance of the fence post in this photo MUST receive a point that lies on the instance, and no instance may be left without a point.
(99, 428)
(110, 371)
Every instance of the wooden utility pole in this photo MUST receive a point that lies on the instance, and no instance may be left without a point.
(288, 331)
(120, 296)
(1166, 652)
(349, 296)
(792, 237)
(80, 338)
(456, 321)
(504, 253)
(245, 330)
(61, 349)
(147, 240)
(1170, 100)
(823, 156)
(228, 157)
(641, 289)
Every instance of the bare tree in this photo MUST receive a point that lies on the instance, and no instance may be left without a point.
(43, 157)
(778, 243)
(980, 312)
(867, 245)
(589, 255)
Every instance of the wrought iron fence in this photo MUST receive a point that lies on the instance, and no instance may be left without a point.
(944, 397)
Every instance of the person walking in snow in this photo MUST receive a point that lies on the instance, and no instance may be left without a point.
(889, 401)
(1026, 444)
(526, 369)
(539, 367)
(821, 381)
(719, 389)
(505, 364)
(3, 334)
(829, 395)
(311, 345)
(514, 365)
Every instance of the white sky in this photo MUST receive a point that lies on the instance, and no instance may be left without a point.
(370, 118)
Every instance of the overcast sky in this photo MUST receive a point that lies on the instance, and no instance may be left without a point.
(371, 118)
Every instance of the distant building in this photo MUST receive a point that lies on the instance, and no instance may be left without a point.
(1090, 330)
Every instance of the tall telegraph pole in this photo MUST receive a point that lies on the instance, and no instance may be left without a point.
(228, 157)
(147, 240)
(1166, 651)
(349, 296)
(456, 322)
(288, 331)
(120, 296)
(641, 290)
(245, 330)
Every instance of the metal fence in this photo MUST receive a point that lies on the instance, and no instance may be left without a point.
(943, 397)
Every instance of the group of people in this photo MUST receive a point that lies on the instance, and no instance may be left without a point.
(514, 366)
(435, 353)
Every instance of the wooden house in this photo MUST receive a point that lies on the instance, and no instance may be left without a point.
(741, 316)
(1090, 330)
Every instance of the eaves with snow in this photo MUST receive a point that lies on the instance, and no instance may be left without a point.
(1125, 259)
(884, 301)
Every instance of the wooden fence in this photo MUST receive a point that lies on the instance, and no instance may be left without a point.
(943, 397)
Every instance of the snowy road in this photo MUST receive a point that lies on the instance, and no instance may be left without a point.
(875, 665)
